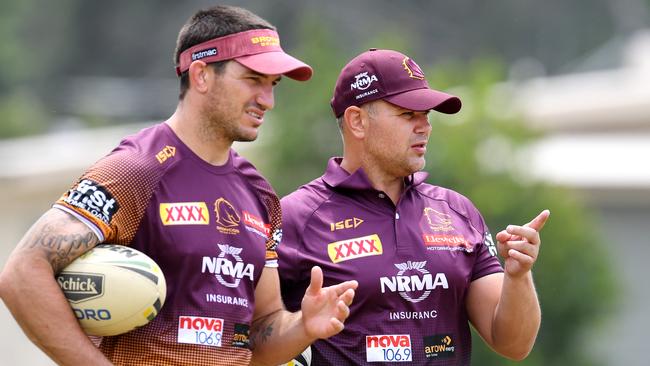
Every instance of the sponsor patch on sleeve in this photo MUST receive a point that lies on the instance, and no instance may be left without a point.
(93, 198)
(489, 242)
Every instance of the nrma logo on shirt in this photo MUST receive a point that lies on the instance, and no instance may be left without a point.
(354, 248)
(411, 279)
(228, 267)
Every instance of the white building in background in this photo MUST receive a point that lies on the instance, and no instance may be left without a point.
(597, 127)
(598, 142)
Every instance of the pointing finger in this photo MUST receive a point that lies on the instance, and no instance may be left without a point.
(538, 222)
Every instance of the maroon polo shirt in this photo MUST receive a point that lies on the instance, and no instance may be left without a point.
(414, 263)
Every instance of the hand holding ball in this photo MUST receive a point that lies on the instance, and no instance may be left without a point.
(113, 289)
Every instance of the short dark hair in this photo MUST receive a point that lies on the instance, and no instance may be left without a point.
(210, 23)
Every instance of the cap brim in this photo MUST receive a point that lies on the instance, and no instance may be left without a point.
(277, 63)
(425, 99)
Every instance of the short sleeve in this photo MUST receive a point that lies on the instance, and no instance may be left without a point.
(289, 250)
(487, 261)
(111, 197)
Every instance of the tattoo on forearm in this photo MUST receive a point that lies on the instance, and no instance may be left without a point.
(261, 332)
(59, 247)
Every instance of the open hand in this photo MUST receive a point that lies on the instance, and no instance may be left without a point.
(324, 309)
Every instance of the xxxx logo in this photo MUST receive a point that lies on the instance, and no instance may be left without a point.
(354, 248)
(184, 213)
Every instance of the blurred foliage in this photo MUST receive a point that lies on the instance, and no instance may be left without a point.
(472, 153)
(21, 110)
(51, 48)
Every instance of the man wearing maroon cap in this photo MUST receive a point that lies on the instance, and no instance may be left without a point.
(179, 193)
(423, 256)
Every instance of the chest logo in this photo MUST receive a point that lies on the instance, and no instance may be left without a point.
(352, 223)
(226, 217)
(166, 153)
(184, 213)
(228, 267)
(354, 248)
(438, 221)
(413, 282)
(256, 225)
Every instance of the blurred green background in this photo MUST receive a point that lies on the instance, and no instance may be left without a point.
(555, 115)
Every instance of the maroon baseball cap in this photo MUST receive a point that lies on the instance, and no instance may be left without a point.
(391, 76)
(257, 49)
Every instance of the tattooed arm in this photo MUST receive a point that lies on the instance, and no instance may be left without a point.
(29, 289)
(278, 335)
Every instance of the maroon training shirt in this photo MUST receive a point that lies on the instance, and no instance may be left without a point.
(414, 264)
(208, 229)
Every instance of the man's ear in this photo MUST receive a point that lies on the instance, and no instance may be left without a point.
(355, 120)
(198, 74)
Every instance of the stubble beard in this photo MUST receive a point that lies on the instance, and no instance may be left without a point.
(221, 122)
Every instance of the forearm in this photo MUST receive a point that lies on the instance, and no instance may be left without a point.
(49, 321)
(278, 338)
(517, 317)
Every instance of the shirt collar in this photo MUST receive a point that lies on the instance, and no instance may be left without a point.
(337, 177)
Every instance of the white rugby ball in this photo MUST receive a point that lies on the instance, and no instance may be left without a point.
(113, 289)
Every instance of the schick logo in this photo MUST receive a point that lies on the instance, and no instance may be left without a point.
(79, 287)
(362, 81)
(227, 272)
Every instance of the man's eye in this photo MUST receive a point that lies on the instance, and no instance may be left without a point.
(408, 114)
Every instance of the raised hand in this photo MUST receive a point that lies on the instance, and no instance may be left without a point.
(519, 245)
(324, 309)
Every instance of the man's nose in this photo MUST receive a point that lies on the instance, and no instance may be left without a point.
(265, 98)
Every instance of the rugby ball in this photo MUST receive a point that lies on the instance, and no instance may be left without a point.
(113, 289)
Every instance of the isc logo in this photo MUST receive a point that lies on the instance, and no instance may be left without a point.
(346, 224)
(354, 248)
(166, 153)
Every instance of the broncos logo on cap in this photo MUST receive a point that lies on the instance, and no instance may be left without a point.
(414, 71)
